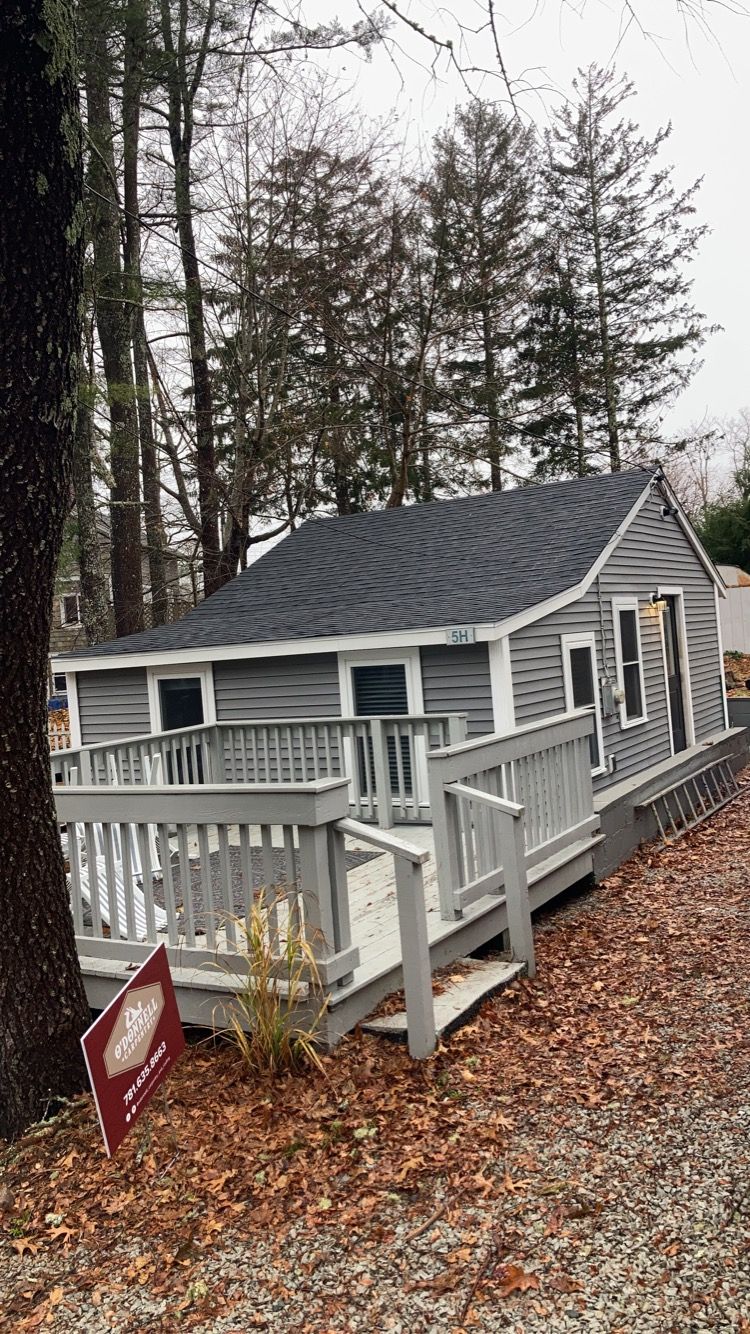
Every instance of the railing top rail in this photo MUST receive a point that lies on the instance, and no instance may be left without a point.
(486, 799)
(143, 737)
(378, 838)
(579, 722)
(318, 802)
(338, 718)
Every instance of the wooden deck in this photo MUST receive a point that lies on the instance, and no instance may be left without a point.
(202, 992)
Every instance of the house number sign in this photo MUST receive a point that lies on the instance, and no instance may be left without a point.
(461, 634)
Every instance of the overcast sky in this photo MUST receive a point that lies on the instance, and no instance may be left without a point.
(699, 81)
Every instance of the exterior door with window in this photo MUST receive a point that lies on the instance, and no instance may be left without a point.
(582, 689)
(675, 686)
(380, 690)
(181, 705)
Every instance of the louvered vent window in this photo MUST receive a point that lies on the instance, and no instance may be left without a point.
(379, 692)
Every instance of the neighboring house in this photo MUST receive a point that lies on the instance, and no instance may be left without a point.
(735, 609)
(510, 607)
(67, 633)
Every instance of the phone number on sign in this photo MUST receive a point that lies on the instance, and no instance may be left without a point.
(141, 1078)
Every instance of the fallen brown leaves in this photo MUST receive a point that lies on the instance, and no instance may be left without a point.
(635, 1001)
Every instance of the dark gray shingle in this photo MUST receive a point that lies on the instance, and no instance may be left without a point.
(456, 562)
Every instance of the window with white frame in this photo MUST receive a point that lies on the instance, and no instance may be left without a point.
(629, 658)
(582, 689)
(70, 609)
(59, 683)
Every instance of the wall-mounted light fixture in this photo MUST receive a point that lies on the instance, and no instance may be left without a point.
(658, 602)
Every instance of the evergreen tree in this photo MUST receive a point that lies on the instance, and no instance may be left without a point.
(624, 232)
(480, 199)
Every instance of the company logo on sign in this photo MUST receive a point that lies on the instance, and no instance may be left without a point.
(134, 1029)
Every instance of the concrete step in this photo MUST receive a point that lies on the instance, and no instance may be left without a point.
(458, 1001)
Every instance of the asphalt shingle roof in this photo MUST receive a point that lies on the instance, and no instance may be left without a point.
(457, 562)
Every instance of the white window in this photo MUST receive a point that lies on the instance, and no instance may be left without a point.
(70, 609)
(582, 689)
(59, 683)
(629, 658)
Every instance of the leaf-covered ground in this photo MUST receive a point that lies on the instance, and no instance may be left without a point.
(577, 1158)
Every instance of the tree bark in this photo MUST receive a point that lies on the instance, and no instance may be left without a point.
(94, 589)
(181, 93)
(43, 1008)
(113, 325)
(134, 57)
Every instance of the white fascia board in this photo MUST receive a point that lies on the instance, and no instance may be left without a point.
(394, 639)
(695, 541)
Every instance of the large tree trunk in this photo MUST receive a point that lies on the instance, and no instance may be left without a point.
(43, 1007)
(113, 324)
(134, 58)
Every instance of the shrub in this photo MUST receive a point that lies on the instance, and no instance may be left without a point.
(274, 1020)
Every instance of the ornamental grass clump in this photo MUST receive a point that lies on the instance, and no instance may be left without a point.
(275, 1019)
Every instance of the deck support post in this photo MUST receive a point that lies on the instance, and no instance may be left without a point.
(518, 908)
(415, 954)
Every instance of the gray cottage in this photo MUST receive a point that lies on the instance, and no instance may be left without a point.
(510, 608)
(529, 681)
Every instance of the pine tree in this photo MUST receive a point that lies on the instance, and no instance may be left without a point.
(612, 210)
(480, 199)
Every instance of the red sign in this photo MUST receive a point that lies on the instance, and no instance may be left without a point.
(132, 1046)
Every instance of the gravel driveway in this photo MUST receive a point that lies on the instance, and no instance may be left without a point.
(577, 1159)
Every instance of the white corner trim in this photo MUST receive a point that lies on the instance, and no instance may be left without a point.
(586, 639)
(501, 682)
(203, 671)
(682, 645)
(724, 701)
(74, 717)
(629, 604)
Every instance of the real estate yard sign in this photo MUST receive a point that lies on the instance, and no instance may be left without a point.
(132, 1046)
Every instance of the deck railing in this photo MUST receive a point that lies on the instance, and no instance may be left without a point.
(384, 759)
(544, 768)
(182, 863)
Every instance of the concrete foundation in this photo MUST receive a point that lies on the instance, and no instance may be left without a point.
(625, 828)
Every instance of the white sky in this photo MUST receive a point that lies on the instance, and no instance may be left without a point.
(700, 81)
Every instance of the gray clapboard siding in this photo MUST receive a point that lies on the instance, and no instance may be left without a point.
(653, 552)
(304, 686)
(457, 680)
(113, 704)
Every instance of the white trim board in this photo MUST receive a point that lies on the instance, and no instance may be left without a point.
(587, 639)
(628, 603)
(204, 672)
(677, 592)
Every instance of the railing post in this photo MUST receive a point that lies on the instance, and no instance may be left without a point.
(513, 854)
(215, 749)
(445, 833)
(456, 728)
(84, 760)
(382, 772)
(324, 918)
(415, 955)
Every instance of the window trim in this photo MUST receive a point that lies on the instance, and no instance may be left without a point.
(628, 604)
(408, 658)
(64, 622)
(587, 639)
(203, 671)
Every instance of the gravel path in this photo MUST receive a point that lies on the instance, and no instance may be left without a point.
(577, 1159)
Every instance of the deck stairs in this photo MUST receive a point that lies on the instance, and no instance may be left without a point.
(468, 985)
(679, 808)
